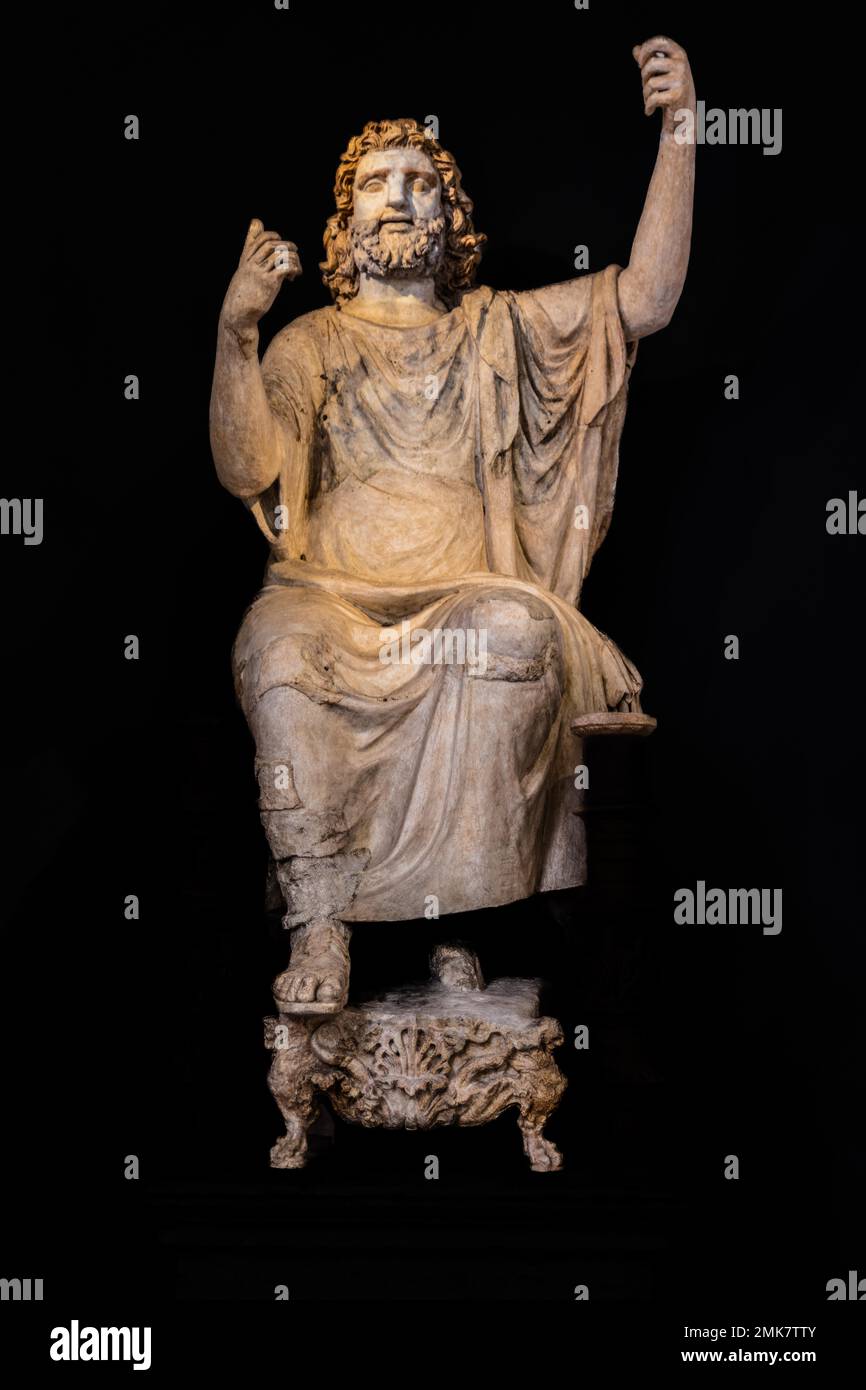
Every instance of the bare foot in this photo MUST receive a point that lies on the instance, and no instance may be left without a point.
(317, 980)
(456, 967)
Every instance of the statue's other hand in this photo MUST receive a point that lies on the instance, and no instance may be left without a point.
(665, 74)
(266, 261)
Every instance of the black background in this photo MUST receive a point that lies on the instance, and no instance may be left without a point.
(136, 777)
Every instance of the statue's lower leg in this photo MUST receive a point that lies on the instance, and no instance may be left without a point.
(318, 890)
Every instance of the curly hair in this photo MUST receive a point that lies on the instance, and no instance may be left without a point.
(463, 245)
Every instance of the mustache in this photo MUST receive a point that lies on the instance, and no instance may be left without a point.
(364, 226)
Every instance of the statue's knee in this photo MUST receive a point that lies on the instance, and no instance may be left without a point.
(515, 626)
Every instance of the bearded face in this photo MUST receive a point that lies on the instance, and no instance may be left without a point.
(389, 218)
(398, 247)
(398, 226)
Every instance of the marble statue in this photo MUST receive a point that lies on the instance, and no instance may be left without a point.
(433, 463)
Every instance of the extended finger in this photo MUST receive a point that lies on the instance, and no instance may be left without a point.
(254, 230)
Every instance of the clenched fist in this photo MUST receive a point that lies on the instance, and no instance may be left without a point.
(265, 263)
(666, 76)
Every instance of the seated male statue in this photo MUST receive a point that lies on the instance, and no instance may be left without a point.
(433, 462)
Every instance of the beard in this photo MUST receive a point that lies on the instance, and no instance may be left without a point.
(385, 252)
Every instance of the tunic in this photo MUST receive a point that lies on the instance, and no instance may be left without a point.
(458, 478)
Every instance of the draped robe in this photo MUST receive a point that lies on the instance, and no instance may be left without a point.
(436, 477)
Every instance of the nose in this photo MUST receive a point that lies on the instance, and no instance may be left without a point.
(397, 193)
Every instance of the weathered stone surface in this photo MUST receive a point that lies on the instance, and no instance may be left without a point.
(596, 725)
(433, 463)
(439, 1054)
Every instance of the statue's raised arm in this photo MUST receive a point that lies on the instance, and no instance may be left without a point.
(247, 439)
(651, 284)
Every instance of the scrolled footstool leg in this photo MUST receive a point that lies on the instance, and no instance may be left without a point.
(543, 1155)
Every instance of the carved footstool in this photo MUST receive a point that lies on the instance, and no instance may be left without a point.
(449, 1052)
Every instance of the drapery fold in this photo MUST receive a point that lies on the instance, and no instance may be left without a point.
(430, 476)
